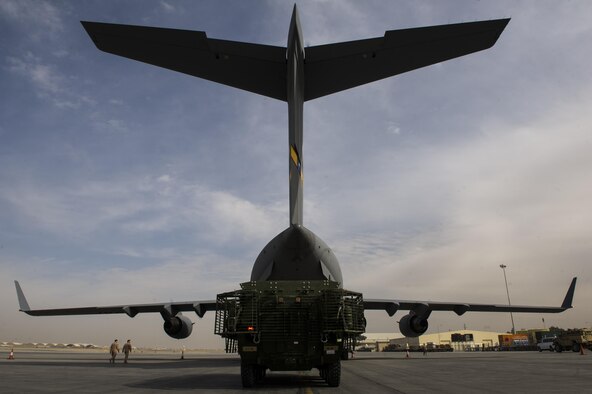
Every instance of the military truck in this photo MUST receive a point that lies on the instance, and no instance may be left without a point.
(290, 326)
(573, 340)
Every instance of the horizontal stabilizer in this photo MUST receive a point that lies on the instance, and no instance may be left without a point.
(256, 68)
(335, 67)
(262, 69)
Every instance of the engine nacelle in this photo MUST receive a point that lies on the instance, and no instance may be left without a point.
(412, 325)
(178, 327)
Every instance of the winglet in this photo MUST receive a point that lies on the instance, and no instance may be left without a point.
(23, 304)
(569, 296)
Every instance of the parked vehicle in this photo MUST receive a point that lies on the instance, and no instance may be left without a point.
(290, 326)
(546, 344)
(573, 340)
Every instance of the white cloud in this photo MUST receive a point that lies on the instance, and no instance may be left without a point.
(237, 218)
(167, 6)
(43, 76)
(41, 15)
(160, 204)
(48, 82)
(512, 195)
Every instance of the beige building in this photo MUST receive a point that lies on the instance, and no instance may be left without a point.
(376, 341)
(459, 340)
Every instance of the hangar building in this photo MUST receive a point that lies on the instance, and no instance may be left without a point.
(459, 340)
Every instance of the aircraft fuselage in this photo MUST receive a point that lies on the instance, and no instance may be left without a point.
(296, 253)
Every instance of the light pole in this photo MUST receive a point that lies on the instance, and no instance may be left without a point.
(503, 267)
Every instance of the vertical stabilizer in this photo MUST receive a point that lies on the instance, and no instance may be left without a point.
(295, 98)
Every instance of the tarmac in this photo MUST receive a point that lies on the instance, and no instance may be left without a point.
(458, 372)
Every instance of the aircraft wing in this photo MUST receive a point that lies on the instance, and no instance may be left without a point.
(335, 67)
(256, 68)
(165, 308)
(392, 306)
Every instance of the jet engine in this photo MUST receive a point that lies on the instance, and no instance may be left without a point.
(178, 326)
(413, 325)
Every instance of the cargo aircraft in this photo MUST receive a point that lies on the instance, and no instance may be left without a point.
(295, 74)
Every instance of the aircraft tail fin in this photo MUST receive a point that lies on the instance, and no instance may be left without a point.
(335, 67)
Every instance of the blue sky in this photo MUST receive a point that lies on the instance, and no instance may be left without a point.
(122, 182)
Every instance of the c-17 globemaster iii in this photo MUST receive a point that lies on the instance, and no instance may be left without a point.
(294, 314)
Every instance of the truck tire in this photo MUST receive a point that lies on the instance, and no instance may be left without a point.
(260, 372)
(558, 348)
(248, 375)
(333, 374)
(575, 347)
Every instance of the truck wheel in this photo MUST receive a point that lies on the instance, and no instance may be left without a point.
(333, 374)
(575, 347)
(558, 348)
(259, 372)
(248, 375)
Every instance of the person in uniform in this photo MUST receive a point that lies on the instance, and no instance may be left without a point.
(114, 349)
(127, 349)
